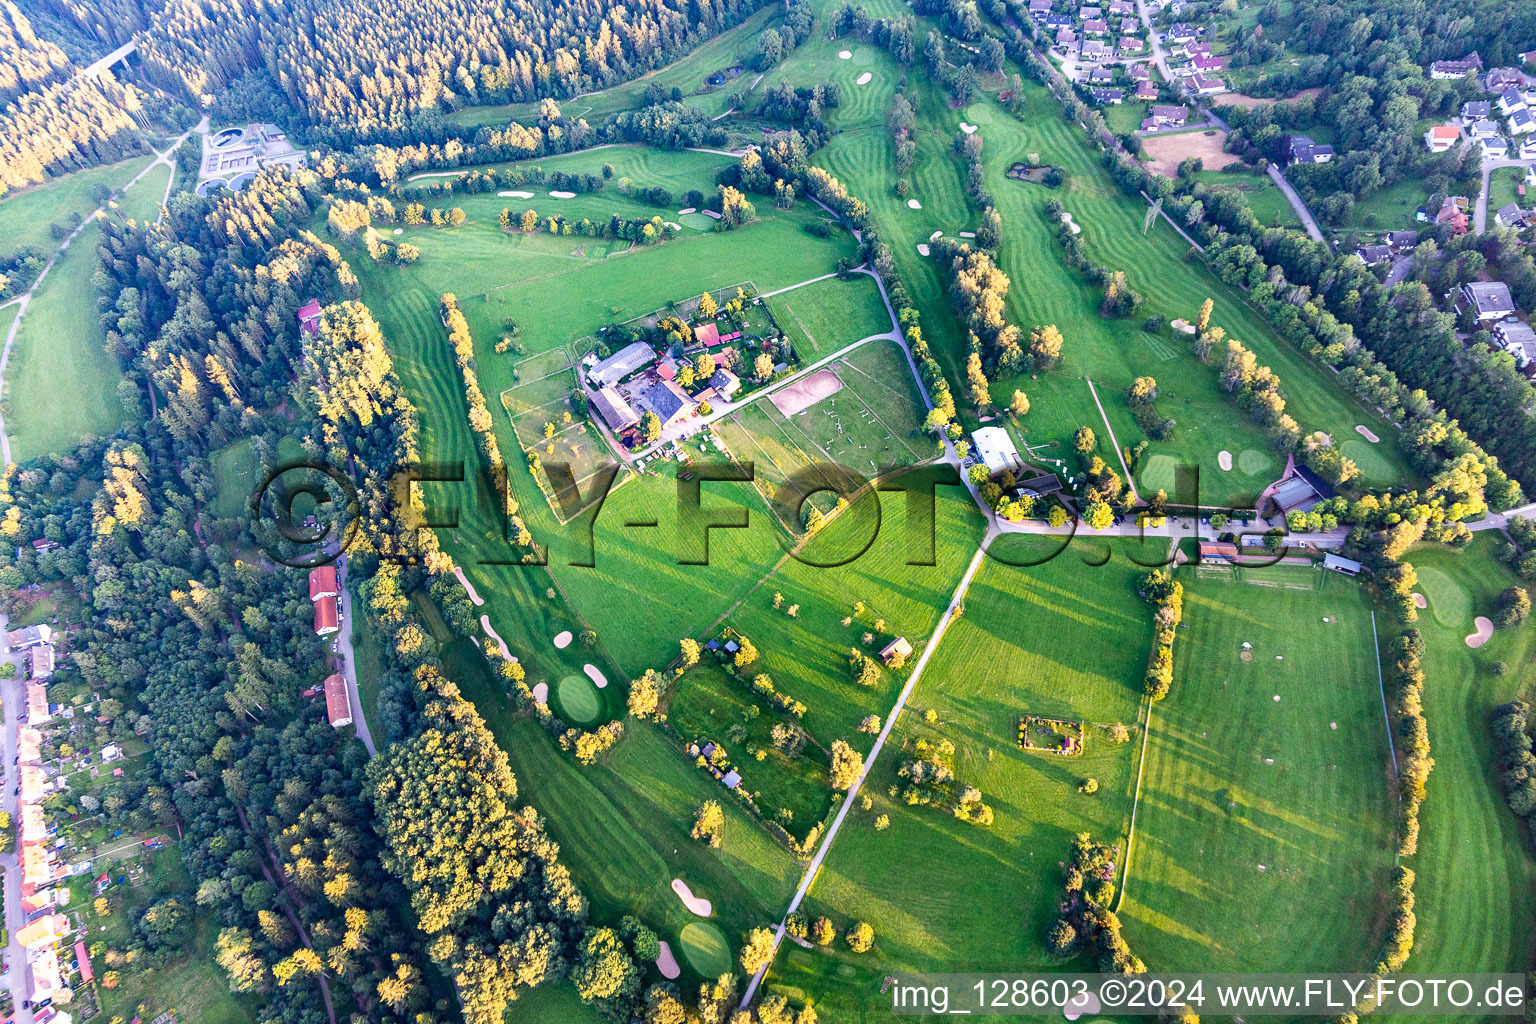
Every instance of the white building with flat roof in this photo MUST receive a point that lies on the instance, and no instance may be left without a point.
(996, 450)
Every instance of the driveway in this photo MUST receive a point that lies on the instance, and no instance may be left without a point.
(349, 658)
(13, 696)
(1480, 212)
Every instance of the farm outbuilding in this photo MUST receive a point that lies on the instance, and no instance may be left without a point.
(897, 650)
(614, 410)
(996, 449)
(630, 359)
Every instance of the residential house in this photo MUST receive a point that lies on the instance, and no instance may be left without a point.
(1108, 97)
(1473, 111)
(1453, 215)
(1483, 128)
(614, 410)
(1208, 63)
(1529, 56)
(38, 710)
(1139, 72)
(1095, 27)
(630, 359)
(1200, 85)
(1442, 137)
(40, 661)
(1522, 122)
(28, 637)
(1173, 115)
(1301, 150)
(1146, 91)
(1489, 300)
(1500, 80)
(1528, 148)
(1089, 13)
(1509, 216)
(1129, 44)
(1065, 37)
(1198, 48)
(1445, 69)
(1129, 26)
(1510, 101)
(1101, 76)
(1093, 50)
(1495, 148)
(1038, 9)
(1401, 241)
(1058, 21)
(995, 449)
(1183, 33)
(725, 383)
(337, 707)
(1372, 255)
(1123, 8)
(308, 316)
(1516, 338)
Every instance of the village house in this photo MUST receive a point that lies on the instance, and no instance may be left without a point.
(1474, 111)
(1065, 37)
(1089, 13)
(40, 661)
(1172, 115)
(669, 402)
(1146, 92)
(28, 637)
(1207, 63)
(1489, 300)
(1139, 73)
(1401, 241)
(1483, 128)
(1495, 148)
(1093, 50)
(1442, 137)
(1447, 69)
(1501, 80)
(1129, 44)
(1510, 101)
(1521, 122)
(1129, 26)
(1200, 85)
(1108, 97)
(1453, 214)
(614, 410)
(327, 617)
(308, 316)
(1095, 27)
(1101, 76)
(725, 383)
(1038, 9)
(1183, 33)
(1058, 21)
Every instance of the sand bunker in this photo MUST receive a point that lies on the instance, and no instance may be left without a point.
(687, 210)
(922, 249)
(399, 231)
(1484, 631)
(1082, 1005)
(807, 391)
(563, 195)
(969, 129)
(712, 214)
(913, 204)
(469, 587)
(485, 624)
(1365, 432)
(1224, 460)
(1066, 218)
(541, 692)
(674, 225)
(864, 78)
(967, 234)
(845, 54)
(1183, 326)
(515, 194)
(935, 236)
(563, 639)
(598, 679)
(1419, 600)
(703, 908)
(666, 963)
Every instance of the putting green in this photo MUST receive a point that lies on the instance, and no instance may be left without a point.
(1365, 455)
(1448, 600)
(579, 702)
(864, 56)
(705, 949)
(1157, 474)
(978, 113)
(697, 221)
(1253, 462)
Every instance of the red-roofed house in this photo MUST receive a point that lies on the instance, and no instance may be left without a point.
(322, 583)
(707, 334)
(666, 371)
(327, 616)
(84, 956)
(337, 708)
(1442, 137)
(309, 317)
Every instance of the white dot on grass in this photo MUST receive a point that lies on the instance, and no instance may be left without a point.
(1333, 725)
(1277, 698)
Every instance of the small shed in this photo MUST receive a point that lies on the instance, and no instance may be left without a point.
(1347, 566)
(897, 651)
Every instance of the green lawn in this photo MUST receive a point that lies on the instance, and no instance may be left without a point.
(823, 317)
(370, 669)
(25, 217)
(1261, 194)
(1250, 805)
(1391, 208)
(1504, 188)
(1476, 883)
(1062, 640)
(58, 350)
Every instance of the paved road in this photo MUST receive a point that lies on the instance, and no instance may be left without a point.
(1307, 220)
(1399, 271)
(1480, 212)
(13, 695)
(24, 300)
(349, 659)
(96, 67)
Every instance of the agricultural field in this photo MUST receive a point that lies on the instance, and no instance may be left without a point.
(1062, 640)
(1256, 807)
(823, 317)
(27, 217)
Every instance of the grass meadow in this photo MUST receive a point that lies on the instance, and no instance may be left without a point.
(27, 216)
(1476, 879)
(1247, 815)
(823, 317)
(58, 350)
(1062, 639)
